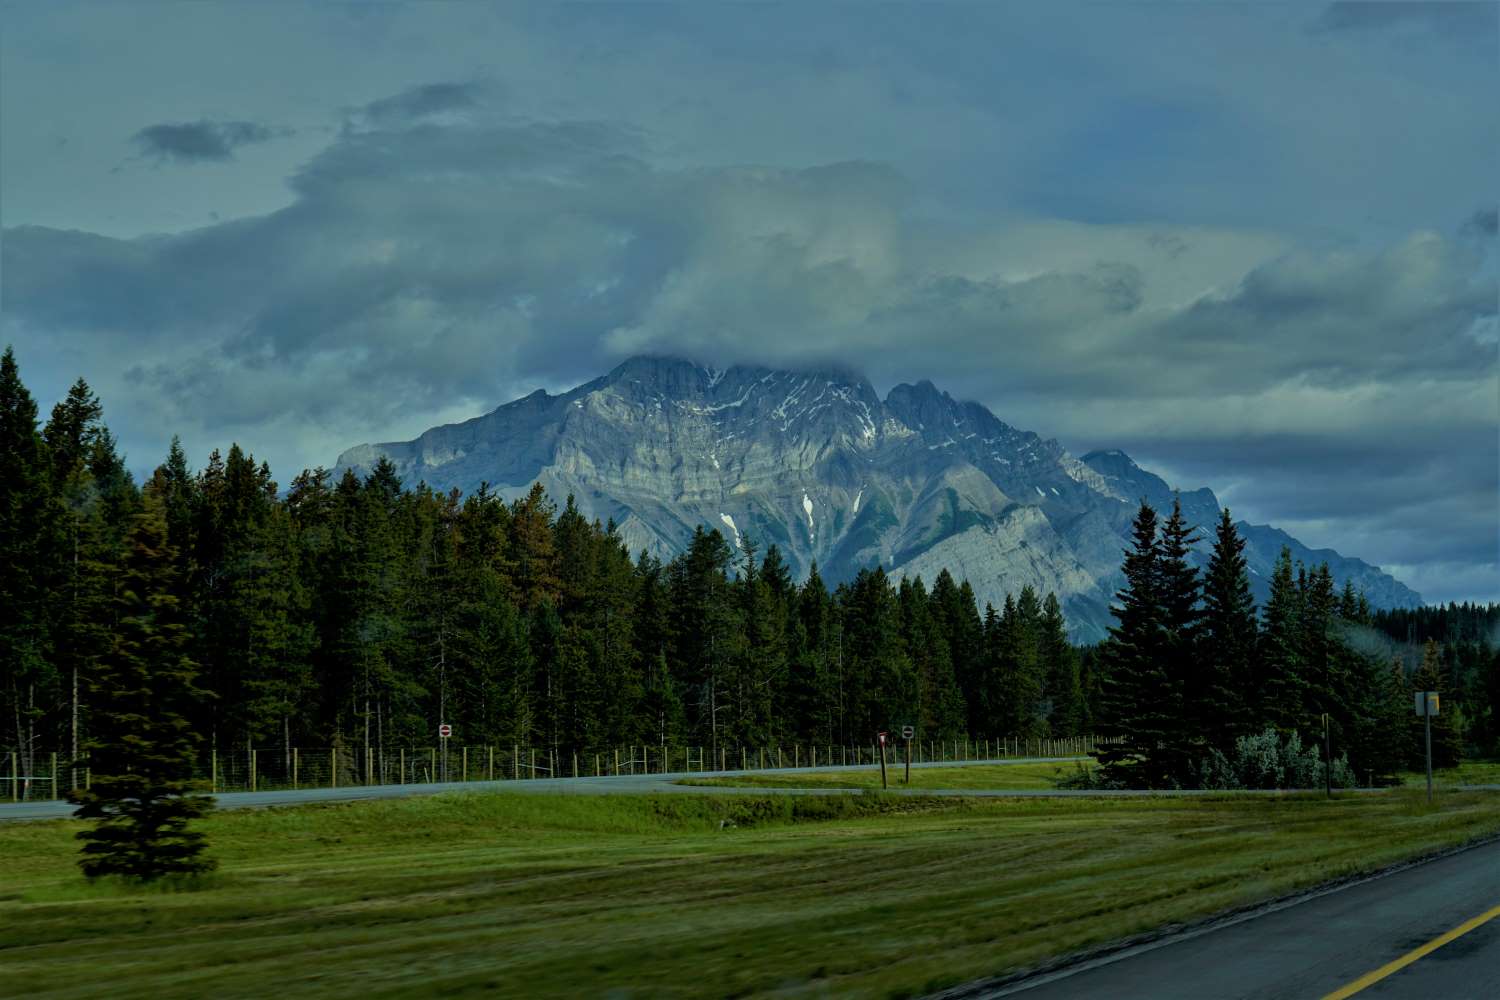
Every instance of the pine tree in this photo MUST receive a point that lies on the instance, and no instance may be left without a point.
(1186, 683)
(1447, 748)
(1320, 653)
(1134, 680)
(142, 749)
(1282, 685)
(1229, 700)
(28, 524)
(1060, 661)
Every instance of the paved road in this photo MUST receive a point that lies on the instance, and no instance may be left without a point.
(624, 784)
(1329, 944)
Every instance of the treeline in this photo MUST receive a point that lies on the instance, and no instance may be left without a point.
(362, 613)
(1465, 639)
(1191, 667)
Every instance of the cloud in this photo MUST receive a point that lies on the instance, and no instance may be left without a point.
(1457, 19)
(423, 101)
(201, 141)
(430, 268)
(1485, 222)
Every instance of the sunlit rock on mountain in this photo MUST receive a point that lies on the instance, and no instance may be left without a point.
(818, 464)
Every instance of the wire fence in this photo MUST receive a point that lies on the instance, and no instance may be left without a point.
(43, 776)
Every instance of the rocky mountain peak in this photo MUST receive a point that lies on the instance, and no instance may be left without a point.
(815, 462)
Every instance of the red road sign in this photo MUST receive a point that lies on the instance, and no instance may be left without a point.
(445, 731)
(882, 739)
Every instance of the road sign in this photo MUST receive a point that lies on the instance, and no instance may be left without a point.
(882, 738)
(1425, 703)
(907, 732)
(445, 731)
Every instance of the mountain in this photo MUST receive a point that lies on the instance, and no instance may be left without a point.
(817, 463)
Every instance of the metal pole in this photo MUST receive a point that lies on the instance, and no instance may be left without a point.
(1427, 721)
(882, 765)
(908, 762)
(1327, 757)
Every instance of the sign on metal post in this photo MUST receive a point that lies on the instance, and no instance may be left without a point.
(1425, 703)
(444, 731)
(907, 732)
(880, 738)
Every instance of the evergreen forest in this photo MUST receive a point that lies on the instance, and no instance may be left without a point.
(361, 613)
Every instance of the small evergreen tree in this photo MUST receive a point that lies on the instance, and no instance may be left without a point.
(142, 749)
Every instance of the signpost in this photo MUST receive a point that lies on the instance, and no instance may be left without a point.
(444, 731)
(880, 738)
(1327, 758)
(1426, 705)
(907, 732)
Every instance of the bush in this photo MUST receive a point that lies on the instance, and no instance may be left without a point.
(1267, 760)
(1085, 779)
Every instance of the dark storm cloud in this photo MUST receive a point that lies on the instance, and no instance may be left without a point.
(1460, 19)
(419, 102)
(200, 141)
(1485, 222)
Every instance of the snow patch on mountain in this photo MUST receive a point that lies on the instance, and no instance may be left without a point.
(729, 521)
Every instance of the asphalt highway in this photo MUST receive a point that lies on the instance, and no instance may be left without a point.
(1428, 931)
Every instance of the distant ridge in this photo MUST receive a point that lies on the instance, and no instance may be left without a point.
(817, 463)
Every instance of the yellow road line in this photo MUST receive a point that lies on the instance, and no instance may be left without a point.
(1371, 978)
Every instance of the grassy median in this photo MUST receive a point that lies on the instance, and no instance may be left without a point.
(676, 895)
(1009, 777)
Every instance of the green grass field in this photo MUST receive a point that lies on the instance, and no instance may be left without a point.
(1469, 772)
(1010, 777)
(584, 896)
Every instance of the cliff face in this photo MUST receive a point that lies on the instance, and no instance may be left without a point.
(818, 464)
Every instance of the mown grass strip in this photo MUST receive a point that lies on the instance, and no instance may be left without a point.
(677, 896)
(969, 777)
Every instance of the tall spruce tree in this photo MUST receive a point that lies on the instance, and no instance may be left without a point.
(1282, 687)
(1229, 700)
(28, 520)
(1064, 690)
(142, 747)
(1186, 685)
(1134, 707)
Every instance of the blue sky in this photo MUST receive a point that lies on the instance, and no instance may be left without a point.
(1251, 244)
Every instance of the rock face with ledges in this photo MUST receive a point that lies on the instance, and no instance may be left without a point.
(818, 464)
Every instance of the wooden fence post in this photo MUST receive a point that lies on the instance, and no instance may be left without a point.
(252, 769)
(295, 764)
(213, 769)
(333, 767)
(489, 772)
(15, 776)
